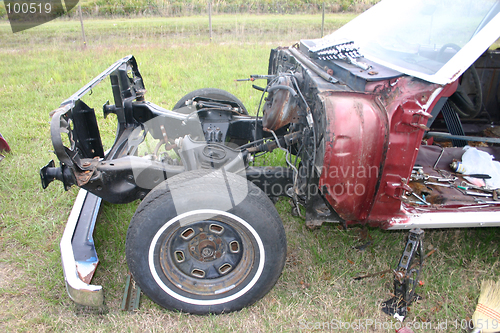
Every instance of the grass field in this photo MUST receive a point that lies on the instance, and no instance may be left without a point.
(42, 66)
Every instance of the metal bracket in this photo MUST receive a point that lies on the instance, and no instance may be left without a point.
(131, 296)
(396, 186)
(407, 276)
(413, 119)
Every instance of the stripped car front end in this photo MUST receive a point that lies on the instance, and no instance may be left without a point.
(355, 109)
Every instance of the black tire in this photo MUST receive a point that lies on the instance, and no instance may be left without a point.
(206, 242)
(211, 93)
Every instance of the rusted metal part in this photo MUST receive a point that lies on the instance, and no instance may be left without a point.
(206, 257)
(84, 170)
(140, 94)
(83, 177)
(399, 276)
(86, 270)
(281, 107)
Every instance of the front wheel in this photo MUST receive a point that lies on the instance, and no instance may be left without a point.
(206, 242)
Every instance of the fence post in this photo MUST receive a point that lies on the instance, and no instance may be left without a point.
(81, 22)
(323, 21)
(210, 18)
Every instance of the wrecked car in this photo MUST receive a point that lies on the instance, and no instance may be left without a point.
(360, 115)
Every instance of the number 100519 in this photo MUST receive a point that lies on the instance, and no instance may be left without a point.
(28, 8)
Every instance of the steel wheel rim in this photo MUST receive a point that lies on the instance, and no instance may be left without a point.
(230, 284)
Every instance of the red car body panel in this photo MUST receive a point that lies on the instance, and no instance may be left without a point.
(373, 140)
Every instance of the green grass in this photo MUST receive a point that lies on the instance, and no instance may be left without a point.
(41, 67)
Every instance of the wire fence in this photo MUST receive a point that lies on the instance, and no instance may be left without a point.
(176, 8)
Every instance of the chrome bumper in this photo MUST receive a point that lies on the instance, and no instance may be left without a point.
(79, 259)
